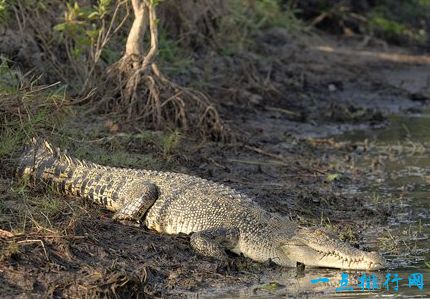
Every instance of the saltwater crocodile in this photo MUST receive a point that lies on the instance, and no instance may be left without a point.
(217, 217)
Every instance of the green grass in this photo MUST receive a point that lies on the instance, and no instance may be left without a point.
(270, 13)
(26, 109)
(173, 58)
(11, 139)
(118, 157)
(246, 18)
(143, 150)
(23, 211)
(169, 142)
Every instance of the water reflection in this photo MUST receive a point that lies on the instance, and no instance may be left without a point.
(290, 284)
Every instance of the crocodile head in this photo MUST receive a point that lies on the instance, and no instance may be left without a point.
(317, 247)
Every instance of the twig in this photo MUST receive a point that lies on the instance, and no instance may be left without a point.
(265, 153)
(285, 111)
(256, 162)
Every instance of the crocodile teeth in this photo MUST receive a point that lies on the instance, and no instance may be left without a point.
(323, 255)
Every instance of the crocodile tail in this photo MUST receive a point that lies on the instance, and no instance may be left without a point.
(30, 154)
(43, 165)
(37, 146)
(39, 154)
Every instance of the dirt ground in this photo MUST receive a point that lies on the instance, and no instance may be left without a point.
(282, 102)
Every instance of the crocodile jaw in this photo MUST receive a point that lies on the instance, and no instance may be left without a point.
(320, 248)
(368, 261)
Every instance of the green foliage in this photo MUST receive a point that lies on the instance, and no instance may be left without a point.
(9, 78)
(7, 8)
(4, 12)
(395, 21)
(270, 13)
(174, 58)
(390, 29)
(82, 25)
(156, 2)
(398, 22)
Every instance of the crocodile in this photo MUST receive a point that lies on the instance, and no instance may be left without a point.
(217, 217)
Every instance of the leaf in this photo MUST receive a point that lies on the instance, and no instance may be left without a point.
(104, 4)
(92, 33)
(60, 27)
(93, 15)
(76, 6)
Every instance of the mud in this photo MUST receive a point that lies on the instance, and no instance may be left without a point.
(283, 101)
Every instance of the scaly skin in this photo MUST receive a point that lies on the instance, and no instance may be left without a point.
(217, 216)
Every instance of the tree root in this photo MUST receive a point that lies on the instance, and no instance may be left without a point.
(137, 90)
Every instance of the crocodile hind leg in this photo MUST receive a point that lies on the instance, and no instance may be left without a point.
(213, 242)
(134, 207)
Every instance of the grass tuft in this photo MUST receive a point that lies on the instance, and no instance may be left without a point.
(27, 109)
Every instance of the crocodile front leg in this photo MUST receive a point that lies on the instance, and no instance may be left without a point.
(213, 242)
(133, 208)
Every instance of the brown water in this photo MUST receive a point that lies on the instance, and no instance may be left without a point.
(403, 185)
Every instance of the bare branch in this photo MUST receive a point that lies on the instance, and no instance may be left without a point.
(149, 58)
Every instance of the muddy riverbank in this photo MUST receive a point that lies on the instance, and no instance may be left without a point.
(284, 156)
